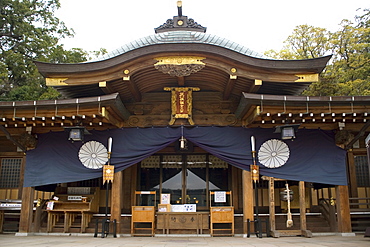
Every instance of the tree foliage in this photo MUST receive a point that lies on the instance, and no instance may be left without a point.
(29, 31)
(349, 70)
(306, 42)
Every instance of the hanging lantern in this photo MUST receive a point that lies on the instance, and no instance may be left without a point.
(284, 195)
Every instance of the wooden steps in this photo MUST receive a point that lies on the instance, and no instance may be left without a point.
(315, 223)
(360, 219)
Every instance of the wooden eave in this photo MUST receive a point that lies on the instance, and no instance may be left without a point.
(309, 65)
(100, 112)
(81, 80)
(269, 111)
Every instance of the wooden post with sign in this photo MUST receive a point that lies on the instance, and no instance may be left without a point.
(221, 215)
(143, 214)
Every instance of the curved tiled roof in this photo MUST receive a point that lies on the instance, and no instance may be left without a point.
(180, 37)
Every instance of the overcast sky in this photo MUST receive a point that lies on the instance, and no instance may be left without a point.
(260, 25)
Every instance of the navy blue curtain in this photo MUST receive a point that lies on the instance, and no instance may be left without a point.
(314, 157)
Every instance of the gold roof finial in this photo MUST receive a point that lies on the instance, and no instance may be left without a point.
(179, 8)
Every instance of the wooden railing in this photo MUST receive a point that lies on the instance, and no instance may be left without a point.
(11, 209)
(360, 213)
(328, 211)
(360, 202)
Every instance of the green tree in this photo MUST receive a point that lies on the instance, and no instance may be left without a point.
(351, 59)
(29, 31)
(305, 42)
(348, 73)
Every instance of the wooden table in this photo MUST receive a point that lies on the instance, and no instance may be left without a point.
(183, 221)
(69, 210)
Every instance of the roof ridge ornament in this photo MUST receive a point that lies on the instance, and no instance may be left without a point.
(180, 22)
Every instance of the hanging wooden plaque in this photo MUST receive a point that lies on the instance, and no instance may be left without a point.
(181, 103)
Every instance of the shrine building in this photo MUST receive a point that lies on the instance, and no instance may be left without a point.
(184, 132)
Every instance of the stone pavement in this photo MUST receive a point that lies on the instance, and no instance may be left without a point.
(87, 240)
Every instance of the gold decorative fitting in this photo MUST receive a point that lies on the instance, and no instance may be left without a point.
(179, 3)
(56, 81)
(258, 82)
(126, 71)
(307, 78)
(233, 70)
(102, 84)
(179, 65)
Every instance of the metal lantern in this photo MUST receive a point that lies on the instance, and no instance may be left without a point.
(284, 195)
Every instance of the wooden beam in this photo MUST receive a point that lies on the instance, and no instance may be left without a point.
(358, 136)
(250, 117)
(343, 209)
(133, 89)
(121, 110)
(243, 107)
(113, 120)
(105, 87)
(229, 87)
(10, 138)
(256, 86)
(181, 81)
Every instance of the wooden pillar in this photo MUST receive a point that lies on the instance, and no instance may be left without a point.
(343, 210)
(37, 218)
(302, 210)
(25, 221)
(116, 199)
(352, 174)
(127, 190)
(302, 205)
(247, 199)
(272, 205)
(235, 185)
